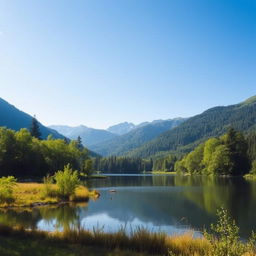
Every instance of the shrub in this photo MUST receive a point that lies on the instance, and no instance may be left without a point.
(67, 181)
(7, 185)
(225, 240)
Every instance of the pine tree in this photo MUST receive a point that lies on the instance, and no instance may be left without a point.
(35, 129)
(79, 143)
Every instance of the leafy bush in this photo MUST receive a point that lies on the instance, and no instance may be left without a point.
(67, 181)
(7, 185)
(225, 240)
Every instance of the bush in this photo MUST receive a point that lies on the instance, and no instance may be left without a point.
(67, 181)
(7, 185)
(225, 240)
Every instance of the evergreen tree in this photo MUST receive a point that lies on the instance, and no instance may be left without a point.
(79, 143)
(35, 129)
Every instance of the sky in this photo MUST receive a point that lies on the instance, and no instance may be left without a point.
(102, 62)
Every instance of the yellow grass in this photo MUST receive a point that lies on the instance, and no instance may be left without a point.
(29, 194)
(140, 240)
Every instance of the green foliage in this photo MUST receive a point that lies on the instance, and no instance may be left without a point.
(35, 129)
(224, 238)
(7, 185)
(67, 181)
(226, 155)
(211, 123)
(115, 164)
(165, 164)
(88, 168)
(23, 155)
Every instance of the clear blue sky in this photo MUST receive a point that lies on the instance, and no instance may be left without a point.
(103, 62)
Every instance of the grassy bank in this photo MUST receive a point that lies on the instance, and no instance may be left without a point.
(31, 194)
(140, 242)
(25, 244)
(222, 241)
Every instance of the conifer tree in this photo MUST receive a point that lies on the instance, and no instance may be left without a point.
(35, 129)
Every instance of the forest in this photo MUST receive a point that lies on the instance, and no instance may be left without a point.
(230, 154)
(25, 155)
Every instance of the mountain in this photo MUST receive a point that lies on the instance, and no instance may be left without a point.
(88, 135)
(212, 122)
(138, 136)
(14, 119)
(121, 128)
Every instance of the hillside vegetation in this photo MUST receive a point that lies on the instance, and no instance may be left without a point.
(213, 122)
(135, 138)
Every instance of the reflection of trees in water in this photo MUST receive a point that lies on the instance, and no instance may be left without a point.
(236, 195)
(64, 217)
(27, 218)
(144, 180)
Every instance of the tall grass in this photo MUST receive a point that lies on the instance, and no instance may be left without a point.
(223, 241)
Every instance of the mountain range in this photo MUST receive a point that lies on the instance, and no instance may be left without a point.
(147, 139)
(136, 137)
(212, 122)
(89, 136)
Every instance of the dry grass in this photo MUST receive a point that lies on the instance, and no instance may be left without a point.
(139, 241)
(30, 194)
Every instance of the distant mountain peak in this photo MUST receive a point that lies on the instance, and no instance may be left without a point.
(121, 128)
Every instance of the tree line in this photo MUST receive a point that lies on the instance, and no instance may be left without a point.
(24, 155)
(225, 155)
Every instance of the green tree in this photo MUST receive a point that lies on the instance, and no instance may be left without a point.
(88, 164)
(35, 129)
(221, 163)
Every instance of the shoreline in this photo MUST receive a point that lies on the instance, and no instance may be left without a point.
(29, 195)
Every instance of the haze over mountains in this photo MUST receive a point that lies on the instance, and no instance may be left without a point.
(136, 137)
(89, 136)
(124, 136)
(147, 139)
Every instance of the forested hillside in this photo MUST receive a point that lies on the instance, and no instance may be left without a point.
(135, 138)
(14, 119)
(213, 122)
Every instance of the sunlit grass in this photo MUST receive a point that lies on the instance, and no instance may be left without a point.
(29, 194)
(139, 241)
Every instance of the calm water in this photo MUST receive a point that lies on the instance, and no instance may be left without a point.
(169, 203)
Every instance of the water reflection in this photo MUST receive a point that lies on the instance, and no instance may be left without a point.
(170, 203)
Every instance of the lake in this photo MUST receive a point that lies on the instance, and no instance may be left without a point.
(169, 203)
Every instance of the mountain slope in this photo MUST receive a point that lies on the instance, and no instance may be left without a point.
(121, 128)
(135, 138)
(14, 119)
(213, 122)
(89, 136)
